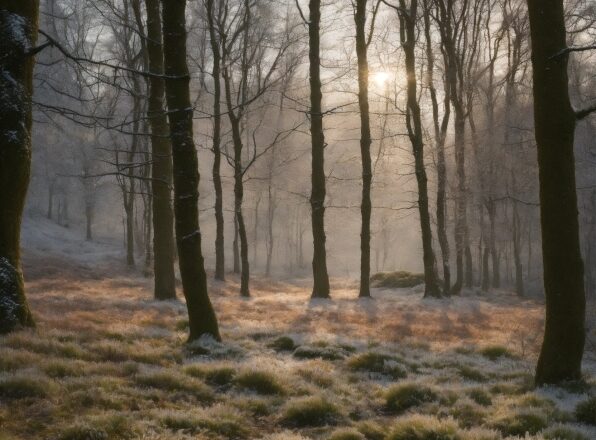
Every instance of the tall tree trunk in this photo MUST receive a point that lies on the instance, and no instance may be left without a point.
(161, 165)
(220, 270)
(201, 316)
(516, 236)
(365, 142)
(318, 191)
(494, 255)
(564, 333)
(460, 201)
(256, 232)
(440, 129)
(18, 35)
(408, 17)
(236, 246)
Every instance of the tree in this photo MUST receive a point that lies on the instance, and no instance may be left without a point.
(362, 43)
(201, 316)
(216, 148)
(554, 118)
(318, 192)
(440, 126)
(161, 164)
(408, 16)
(18, 35)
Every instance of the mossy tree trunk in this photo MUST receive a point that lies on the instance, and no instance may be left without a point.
(564, 334)
(18, 35)
(202, 319)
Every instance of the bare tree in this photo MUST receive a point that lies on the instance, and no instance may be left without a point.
(202, 319)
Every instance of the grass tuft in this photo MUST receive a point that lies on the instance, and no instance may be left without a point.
(402, 397)
(346, 434)
(377, 363)
(585, 411)
(169, 381)
(418, 427)
(496, 352)
(310, 411)
(261, 382)
(21, 387)
(480, 396)
(470, 373)
(563, 433)
(83, 432)
(319, 352)
(520, 422)
(371, 430)
(283, 343)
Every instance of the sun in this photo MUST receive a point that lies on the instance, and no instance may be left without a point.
(381, 78)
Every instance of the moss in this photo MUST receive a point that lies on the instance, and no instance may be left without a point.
(21, 387)
(402, 397)
(520, 422)
(585, 411)
(480, 396)
(261, 382)
(283, 343)
(346, 434)
(418, 427)
(377, 363)
(496, 352)
(399, 279)
(309, 411)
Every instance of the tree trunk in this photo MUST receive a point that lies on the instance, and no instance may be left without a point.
(220, 270)
(365, 142)
(318, 191)
(236, 246)
(161, 167)
(440, 130)
(516, 235)
(408, 19)
(460, 201)
(255, 240)
(201, 316)
(494, 255)
(564, 335)
(18, 35)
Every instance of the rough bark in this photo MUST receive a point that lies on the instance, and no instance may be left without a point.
(18, 35)
(318, 191)
(202, 319)
(564, 333)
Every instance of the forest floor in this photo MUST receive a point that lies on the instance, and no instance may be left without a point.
(108, 362)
